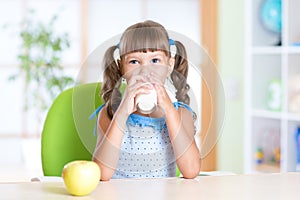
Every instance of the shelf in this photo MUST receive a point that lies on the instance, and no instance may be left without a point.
(266, 114)
(268, 168)
(275, 115)
(293, 116)
(272, 76)
(267, 50)
(293, 49)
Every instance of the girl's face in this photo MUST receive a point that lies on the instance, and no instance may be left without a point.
(135, 60)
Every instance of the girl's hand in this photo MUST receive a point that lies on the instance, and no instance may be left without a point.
(136, 85)
(163, 99)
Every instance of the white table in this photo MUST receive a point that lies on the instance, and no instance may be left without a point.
(253, 187)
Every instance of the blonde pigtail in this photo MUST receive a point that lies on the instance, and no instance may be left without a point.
(111, 82)
(180, 72)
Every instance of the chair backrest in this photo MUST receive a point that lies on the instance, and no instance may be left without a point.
(68, 134)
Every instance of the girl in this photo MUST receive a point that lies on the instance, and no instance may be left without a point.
(131, 144)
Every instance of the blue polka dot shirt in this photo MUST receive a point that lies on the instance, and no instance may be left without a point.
(146, 149)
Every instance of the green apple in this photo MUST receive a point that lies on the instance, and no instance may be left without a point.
(81, 177)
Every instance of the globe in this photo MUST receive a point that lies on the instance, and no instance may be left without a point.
(270, 15)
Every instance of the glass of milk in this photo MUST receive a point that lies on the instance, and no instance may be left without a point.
(146, 103)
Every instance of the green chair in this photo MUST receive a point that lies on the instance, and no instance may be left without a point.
(68, 134)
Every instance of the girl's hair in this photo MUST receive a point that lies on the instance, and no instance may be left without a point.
(142, 37)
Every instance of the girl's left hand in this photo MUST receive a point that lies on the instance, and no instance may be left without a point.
(163, 99)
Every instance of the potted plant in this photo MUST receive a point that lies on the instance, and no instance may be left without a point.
(41, 68)
(40, 64)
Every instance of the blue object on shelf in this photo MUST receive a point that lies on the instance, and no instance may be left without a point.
(296, 44)
(270, 15)
(297, 139)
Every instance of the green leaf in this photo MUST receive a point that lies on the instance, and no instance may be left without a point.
(40, 61)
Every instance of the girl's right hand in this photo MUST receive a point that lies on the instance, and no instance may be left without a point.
(136, 85)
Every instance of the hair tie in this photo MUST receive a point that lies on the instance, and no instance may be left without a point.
(171, 42)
